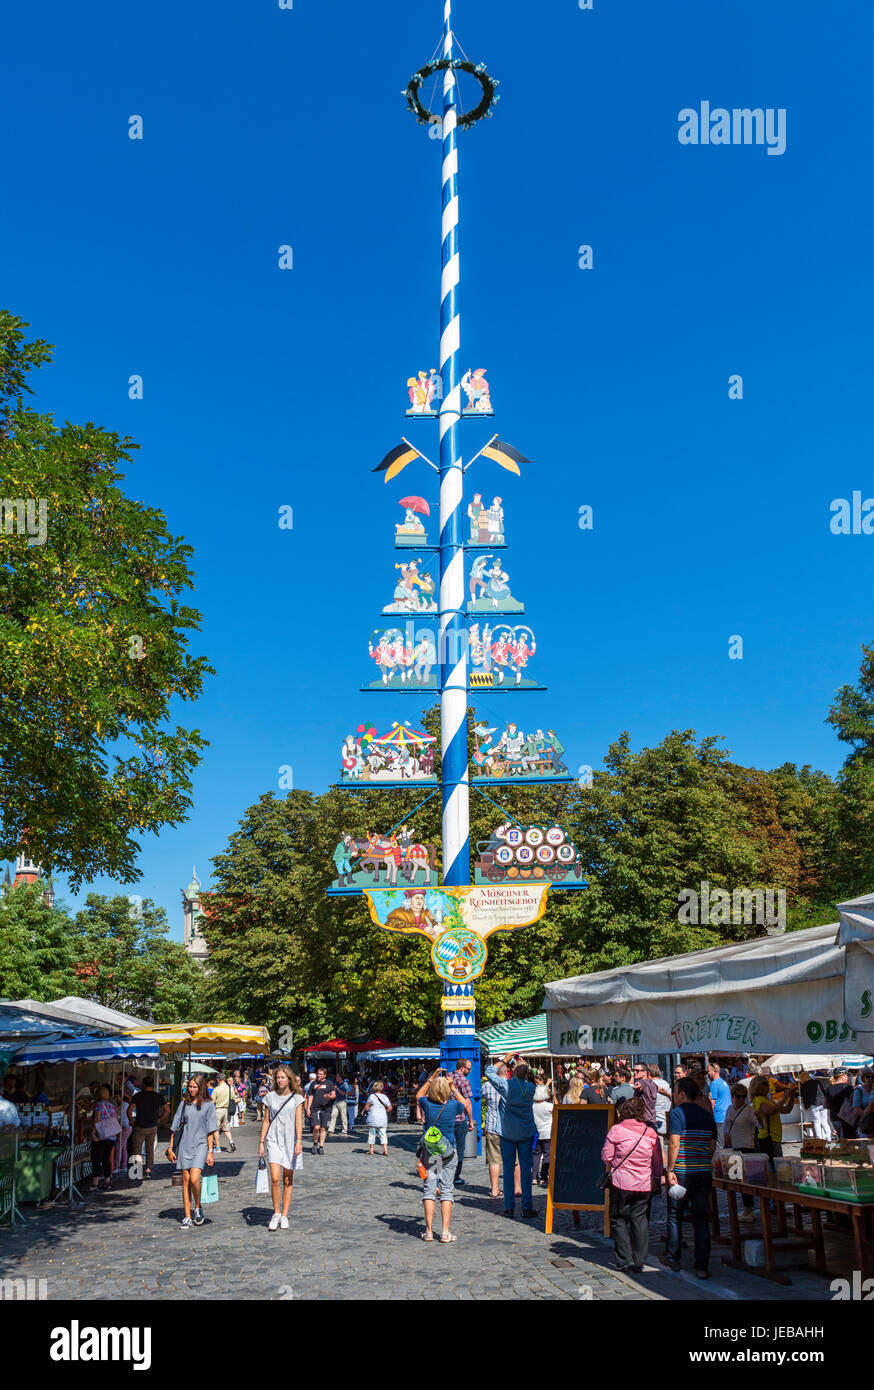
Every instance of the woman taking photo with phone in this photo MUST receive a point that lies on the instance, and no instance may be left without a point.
(282, 1140)
(194, 1132)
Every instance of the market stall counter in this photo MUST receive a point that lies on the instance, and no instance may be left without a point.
(832, 1179)
(779, 1241)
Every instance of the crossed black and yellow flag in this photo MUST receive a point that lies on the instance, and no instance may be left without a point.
(498, 449)
(396, 460)
(505, 455)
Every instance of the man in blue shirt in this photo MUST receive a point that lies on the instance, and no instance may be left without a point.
(720, 1095)
(516, 1111)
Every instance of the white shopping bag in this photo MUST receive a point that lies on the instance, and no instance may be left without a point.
(262, 1179)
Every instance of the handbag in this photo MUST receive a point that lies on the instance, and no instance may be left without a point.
(175, 1141)
(209, 1188)
(603, 1181)
(850, 1114)
(107, 1127)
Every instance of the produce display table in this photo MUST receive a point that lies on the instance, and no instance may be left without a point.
(33, 1173)
(800, 1201)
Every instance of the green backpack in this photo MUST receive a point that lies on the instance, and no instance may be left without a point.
(435, 1142)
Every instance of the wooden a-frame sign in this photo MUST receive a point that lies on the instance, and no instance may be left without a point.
(575, 1164)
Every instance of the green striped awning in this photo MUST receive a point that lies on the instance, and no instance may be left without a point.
(517, 1035)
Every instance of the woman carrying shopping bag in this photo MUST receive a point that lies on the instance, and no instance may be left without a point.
(282, 1140)
(194, 1133)
(105, 1129)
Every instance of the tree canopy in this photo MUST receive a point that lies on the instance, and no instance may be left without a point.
(112, 952)
(125, 960)
(93, 642)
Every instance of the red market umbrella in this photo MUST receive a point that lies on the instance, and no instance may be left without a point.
(332, 1045)
(416, 504)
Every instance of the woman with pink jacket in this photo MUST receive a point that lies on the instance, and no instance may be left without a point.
(633, 1154)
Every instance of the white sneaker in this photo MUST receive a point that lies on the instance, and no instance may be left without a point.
(283, 1223)
(186, 1223)
(274, 1222)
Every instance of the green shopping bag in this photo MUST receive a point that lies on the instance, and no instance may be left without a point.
(208, 1188)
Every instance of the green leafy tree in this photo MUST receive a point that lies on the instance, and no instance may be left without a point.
(37, 959)
(93, 642)
(852, 718)
(852, 714)
(125, 961)
(282, 954)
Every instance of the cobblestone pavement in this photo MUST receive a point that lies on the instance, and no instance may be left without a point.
(355, 1225)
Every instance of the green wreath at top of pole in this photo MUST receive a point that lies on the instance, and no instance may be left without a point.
(477, 70)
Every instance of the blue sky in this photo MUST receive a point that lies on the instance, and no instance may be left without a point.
(265, 388)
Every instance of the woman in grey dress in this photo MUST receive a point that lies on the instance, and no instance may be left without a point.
(192, 1148)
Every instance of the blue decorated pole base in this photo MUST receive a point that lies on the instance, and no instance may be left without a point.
(459, 1042)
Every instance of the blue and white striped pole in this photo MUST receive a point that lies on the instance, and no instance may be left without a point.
(459, 1007)
(453, 626)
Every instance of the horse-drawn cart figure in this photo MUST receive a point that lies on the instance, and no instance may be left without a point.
(375, 861)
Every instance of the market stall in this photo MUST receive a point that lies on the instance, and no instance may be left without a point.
(24, 1019)
(781, 996)
(770, 994)
(218, 1040)
(96, 1017)
(524, 1035)
(206, 1039)
(813, 1061)
(50, 1142)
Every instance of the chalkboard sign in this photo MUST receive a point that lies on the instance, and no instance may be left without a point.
(575, 1163)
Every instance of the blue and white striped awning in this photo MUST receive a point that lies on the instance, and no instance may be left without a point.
(399, 1054)
(88, 1049)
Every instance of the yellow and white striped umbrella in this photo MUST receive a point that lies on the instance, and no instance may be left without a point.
(216, 1039)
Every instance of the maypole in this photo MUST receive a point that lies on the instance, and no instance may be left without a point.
(479, 646)
(459, 1007)
(453, 625)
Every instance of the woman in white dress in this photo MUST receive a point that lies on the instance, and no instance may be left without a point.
(282, 1140)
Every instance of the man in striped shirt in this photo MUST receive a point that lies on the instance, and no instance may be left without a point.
(691, 1145)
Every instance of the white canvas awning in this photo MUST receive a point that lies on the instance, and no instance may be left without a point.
(91, 1012)
(808, 1061)
(798, 991)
